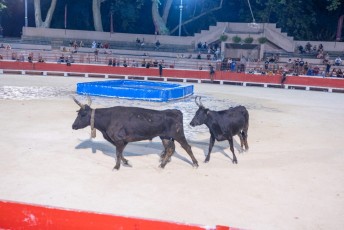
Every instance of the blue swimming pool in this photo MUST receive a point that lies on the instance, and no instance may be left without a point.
(133, 89)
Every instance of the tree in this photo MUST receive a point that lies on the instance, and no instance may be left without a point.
(200, 9)
(158, 21)
(2, 5)
(38, 14)
(97, 16)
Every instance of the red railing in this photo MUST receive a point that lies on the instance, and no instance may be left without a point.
(27, 216)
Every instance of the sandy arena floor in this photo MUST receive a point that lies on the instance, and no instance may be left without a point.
(291, 178)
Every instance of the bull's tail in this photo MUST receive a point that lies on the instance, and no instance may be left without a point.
(244, 131)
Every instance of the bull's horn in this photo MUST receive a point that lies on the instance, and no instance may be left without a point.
(89, 100)
(78, 102)
(198, 103)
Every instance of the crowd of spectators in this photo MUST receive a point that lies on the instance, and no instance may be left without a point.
(206, 52)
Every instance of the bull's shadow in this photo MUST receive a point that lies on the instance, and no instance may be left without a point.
(110, 150)
(219, 146)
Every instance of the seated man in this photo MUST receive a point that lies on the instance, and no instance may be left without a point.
(157, 45)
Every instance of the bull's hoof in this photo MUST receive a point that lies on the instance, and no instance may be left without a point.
(162, 166)
(206, 160)
(235, 161)
(116, 167)
(126, 164)
(195, 165)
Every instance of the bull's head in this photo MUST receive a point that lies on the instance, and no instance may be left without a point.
(84, 114)
(201, 114)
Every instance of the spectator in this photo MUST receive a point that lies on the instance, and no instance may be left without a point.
(155, 63)
(143, 63)
(205, 46)
(301, 49)
(333, 73)
(14, 56)
(61, 59)
(326, 58)
(94, 44)
(266, 64)
(308, 47)
(30, 57)
(199, 46)
(338, 61)
(316, 70)
(199, 55)
(283, 79)
(110, 62)
(211, 72)
(160, 69)
(328, 67)
(339, 73)
(157, 45)
(305, 67)
(96, 52)
(301, 64)
(2, 46)
(138, 42)
(314, 50)
(320, 54)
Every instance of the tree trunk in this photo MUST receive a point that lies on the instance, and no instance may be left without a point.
(38, 14)
(199, 16)
(160, 25)
(97, 17)
(167, 10)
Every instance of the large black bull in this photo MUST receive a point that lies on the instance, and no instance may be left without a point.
(223, 125)
(121, 125)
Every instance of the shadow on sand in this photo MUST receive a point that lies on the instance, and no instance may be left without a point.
(110, 150)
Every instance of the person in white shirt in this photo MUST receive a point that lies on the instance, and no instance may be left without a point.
(338, 61)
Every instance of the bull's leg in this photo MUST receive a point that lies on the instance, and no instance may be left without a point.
(182, 141)
(169, 150)
(119, 155)
(231, 145)
(211, 145)
(165, 143)
(244, 135)
(240, 134)
(125, 161)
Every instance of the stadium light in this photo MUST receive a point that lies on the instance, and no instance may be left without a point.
(180, 17)
(26, 19)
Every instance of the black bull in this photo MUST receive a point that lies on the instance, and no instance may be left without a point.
(223, 125)
(121, 125)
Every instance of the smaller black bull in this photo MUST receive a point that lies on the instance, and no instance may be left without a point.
(223, 125)
(121, 125)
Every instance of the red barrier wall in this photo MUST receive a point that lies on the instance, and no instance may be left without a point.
(26, 216)
(219, 75)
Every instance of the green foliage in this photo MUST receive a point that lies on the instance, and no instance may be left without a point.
(223, 37)
(333, 5)
(236, 39)
(2, 5)
(262, 40)
(248, 40)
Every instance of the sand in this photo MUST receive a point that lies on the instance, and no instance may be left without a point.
(291, 178)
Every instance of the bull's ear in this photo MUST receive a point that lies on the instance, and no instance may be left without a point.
(208, 111)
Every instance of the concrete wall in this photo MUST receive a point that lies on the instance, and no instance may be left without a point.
(280, 40)
(102, 36)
